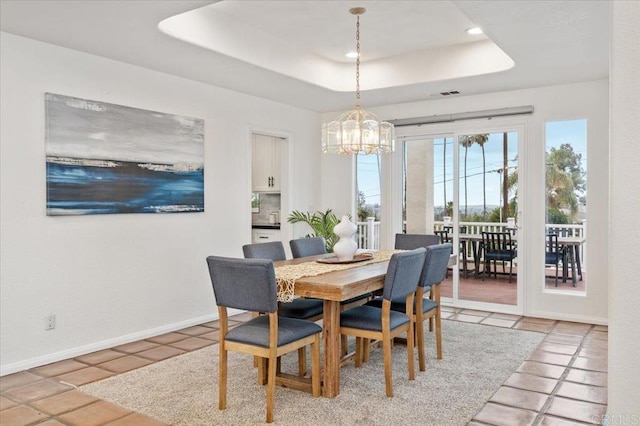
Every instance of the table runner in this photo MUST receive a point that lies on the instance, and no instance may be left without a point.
(287, 275)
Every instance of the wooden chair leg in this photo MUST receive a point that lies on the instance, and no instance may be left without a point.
(410, 355)
(222, 379)
(302, 361)
(271, 388)
(386, 350)
(438, 319)
(420, 339)
(343, 344)
(256, 359)
(262, 371)
(366, 349)
(359, 350)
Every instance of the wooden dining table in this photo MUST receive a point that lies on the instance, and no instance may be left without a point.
(332, 288)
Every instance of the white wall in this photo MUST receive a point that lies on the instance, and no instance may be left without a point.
(116, 278)
(624, 202)
(581, 100)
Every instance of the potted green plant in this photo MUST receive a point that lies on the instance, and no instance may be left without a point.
(321, 223)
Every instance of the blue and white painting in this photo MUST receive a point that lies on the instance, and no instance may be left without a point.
(104, 158)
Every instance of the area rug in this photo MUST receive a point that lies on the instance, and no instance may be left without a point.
(183, 390)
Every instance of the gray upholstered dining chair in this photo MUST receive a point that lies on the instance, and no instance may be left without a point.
(303, 247)
(413, 241)
(369, 322)
(300, 308)
(250, 284)
(307, 309)
(273, 250)
(433, 272)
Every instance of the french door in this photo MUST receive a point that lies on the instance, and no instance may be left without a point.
(460, 184)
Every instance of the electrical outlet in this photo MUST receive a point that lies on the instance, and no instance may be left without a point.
(50, 322)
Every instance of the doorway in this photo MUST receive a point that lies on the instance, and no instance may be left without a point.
(460, 191)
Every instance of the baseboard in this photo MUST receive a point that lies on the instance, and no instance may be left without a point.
(106, 344)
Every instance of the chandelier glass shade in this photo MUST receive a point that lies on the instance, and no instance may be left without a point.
(358, 131)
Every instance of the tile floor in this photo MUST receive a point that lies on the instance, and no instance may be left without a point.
(563, 382)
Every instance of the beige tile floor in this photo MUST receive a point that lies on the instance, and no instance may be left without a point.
(563, 382)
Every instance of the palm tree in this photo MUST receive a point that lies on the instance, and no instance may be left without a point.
(467, 141)
(481, 140)
(560, 190)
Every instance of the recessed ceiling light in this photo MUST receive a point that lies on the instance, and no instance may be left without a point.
(474, 30)
(351, 55)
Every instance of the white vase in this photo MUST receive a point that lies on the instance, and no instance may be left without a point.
(346, 247)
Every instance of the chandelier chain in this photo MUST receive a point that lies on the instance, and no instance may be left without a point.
(358, 131)
(358, 62)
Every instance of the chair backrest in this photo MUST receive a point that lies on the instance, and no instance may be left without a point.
(303, 247)
(273, 250)
(435, 264)
(552, 243)
(497, 242)
(248, 284)
(443, 235)
(414, 241)
(403, 273)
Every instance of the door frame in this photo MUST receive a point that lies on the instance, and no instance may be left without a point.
(392, 202)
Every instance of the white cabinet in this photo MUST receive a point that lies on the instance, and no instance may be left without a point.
(265, 163)
(265, 235)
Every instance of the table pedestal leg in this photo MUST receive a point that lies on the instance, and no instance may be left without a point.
(331, 335)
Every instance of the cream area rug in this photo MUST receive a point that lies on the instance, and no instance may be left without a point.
(477, 359)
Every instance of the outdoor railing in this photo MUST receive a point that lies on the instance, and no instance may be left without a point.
(368, 234)
(563, 230)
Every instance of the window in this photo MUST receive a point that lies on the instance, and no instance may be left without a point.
(566, 201)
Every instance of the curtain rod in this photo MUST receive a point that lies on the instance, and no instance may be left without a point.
(447, 118)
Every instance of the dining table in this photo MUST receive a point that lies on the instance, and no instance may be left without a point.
(333, 288)
(574, 247)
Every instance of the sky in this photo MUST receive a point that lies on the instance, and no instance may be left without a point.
(557, 133)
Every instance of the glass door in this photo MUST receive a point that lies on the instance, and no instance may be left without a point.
(485, 225)
(462, 186)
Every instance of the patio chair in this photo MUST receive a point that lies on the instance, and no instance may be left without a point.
(554, 253)
(446, 237)
(250, 284)
(497, 247)
(368, 322)
(433, 272)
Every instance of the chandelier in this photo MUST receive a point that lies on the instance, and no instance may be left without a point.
(357, 131)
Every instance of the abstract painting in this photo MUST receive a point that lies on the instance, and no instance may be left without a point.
(104, 158)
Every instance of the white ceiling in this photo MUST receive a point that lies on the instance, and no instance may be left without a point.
(293, 51)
